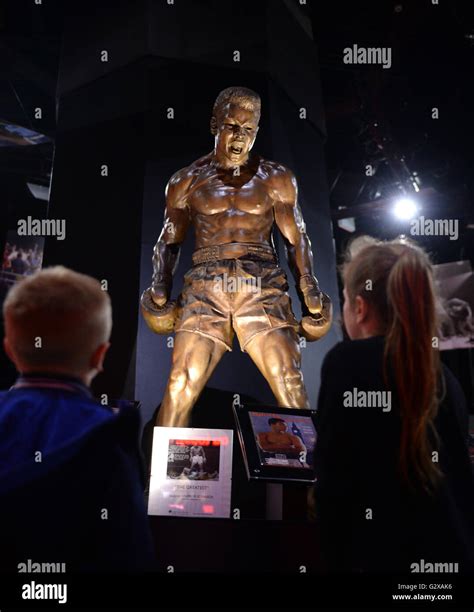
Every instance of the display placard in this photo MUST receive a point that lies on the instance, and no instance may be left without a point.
(191, 472)
(277, 443)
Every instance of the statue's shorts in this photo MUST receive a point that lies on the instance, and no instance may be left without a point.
(234, 295)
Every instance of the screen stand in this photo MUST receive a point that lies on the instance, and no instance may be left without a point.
(274, 507)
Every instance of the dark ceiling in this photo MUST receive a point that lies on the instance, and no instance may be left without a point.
(383, 117)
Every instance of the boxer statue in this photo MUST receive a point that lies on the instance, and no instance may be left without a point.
(234, 199)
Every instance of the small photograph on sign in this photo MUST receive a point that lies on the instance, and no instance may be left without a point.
(193, 459)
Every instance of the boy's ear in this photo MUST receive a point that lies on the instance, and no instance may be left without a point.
(98, 356)
(213, 125)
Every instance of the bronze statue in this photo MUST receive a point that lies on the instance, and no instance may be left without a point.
(234, 199)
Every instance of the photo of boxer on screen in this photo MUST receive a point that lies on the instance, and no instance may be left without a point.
(285, 441)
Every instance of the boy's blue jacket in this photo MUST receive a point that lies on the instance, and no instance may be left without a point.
(71, 480)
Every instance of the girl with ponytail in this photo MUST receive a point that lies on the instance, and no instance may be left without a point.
(395, 484)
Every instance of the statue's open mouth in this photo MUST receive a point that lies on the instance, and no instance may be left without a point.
(237, 149)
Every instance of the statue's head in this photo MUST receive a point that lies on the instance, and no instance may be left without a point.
(234, 123)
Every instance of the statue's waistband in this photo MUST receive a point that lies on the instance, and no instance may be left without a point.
(234, 250)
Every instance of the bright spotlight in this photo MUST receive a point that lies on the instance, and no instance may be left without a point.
(405, 209)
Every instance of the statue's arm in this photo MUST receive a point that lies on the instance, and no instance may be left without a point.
(167, 249)
(289, 220)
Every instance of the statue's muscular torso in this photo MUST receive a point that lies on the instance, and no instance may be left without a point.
(224, 207)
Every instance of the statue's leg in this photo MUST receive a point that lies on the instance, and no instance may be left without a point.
(194, 358)
(278, 357)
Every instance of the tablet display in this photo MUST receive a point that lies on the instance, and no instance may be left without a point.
(284, 440)
(277, 443)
